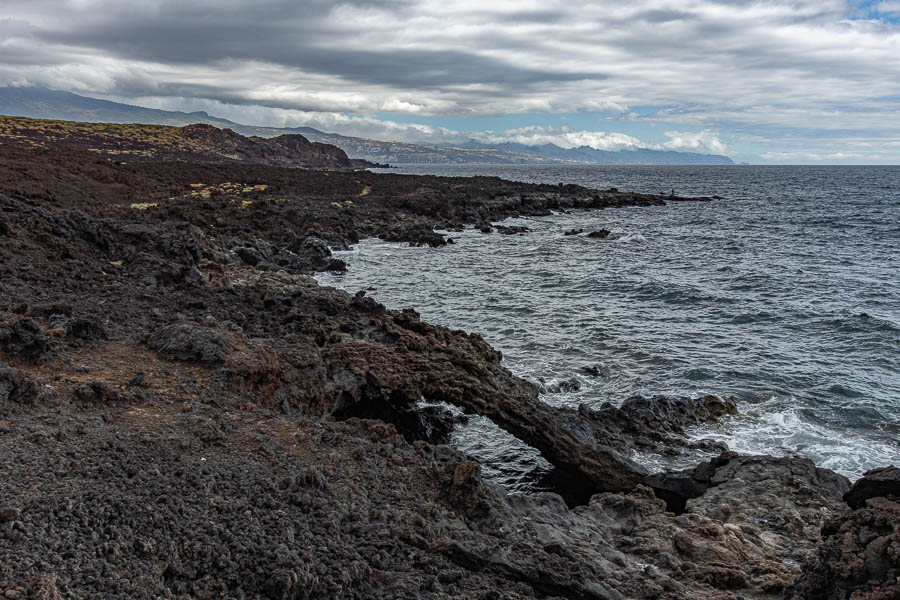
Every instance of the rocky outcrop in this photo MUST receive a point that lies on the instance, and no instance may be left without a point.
(858, 556)
(877, 483)
(191, 415)
(24, 338)
(190, 342)
(17, 387)
(282, 151)
(197, 142)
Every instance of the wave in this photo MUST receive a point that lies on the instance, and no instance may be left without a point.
(777, 426)
(631, 238)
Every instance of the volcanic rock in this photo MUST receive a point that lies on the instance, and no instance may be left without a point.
(191, 342)
(858, 556)
(883, 482)
(24, 338)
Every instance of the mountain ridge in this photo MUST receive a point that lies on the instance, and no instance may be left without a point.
(43, 103)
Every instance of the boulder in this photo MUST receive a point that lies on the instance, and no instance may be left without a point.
(190, 342)
(883, 482)
(858, 556)
(511, 229)
(17, 387)
(24, 339)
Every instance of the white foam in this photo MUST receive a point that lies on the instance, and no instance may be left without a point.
(636, 238)
(776, 427)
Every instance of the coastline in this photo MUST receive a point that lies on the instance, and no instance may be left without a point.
(185, 410)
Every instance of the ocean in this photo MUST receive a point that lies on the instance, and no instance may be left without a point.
(784, 294)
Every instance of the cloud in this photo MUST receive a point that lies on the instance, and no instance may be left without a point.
(729, 67)
(888, 8)
(705, 141)
(563, 137)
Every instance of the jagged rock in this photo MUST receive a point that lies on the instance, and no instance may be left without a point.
(85, 329)
(511, 229)
(48, 310)
(883, 482)
(858, 557)
(250, 256)
(96, 392)
(415, 235)
(465, 485)
(25, 339)
(748, 530)
(573, 231)
(600, 234)
(190, 342)
(567, 385)
(17, 386)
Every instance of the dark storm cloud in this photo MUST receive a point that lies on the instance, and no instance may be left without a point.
(307, 36)
(737, 61)
(177, 43)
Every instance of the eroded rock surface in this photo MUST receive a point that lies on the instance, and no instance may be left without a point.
(185, 413)
(858, 556)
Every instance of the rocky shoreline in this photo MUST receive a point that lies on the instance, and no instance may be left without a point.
(186, 413)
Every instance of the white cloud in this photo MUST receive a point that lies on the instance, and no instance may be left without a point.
(563, 137)
(705, 141)
(723, 67)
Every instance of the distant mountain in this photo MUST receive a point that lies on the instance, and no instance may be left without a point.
(631, 156)
(403, 152)
(40, 103)
(54, 104)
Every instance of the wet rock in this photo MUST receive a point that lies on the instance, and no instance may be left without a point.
(600, 234)
(573, 231)
(592, 370)
(315, 252)
(511, 229)
(433, 424)
(882, 482)
(415, 235)
(190, 342)
(566, 386)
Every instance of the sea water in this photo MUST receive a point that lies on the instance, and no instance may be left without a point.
(785, 294)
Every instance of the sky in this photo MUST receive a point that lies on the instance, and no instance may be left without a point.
(802, 82)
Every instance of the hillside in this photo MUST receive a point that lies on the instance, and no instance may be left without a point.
(196, 143)
(55, 104)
